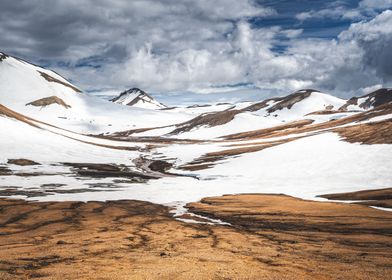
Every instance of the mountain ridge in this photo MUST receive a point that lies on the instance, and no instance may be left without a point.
(137, 98)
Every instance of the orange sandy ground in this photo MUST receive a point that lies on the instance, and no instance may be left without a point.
(271, 237)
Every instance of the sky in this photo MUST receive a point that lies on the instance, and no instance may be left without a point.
(222, 49)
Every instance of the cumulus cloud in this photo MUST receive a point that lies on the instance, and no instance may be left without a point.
(330, 13)
(340, 10)
(376, 4)
(191, 45)
(358, 59)
(374, 38)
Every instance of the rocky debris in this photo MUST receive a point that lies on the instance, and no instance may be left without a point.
(43, 102)
(22, 162)
(54, 80)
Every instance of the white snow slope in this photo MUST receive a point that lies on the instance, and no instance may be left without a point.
(22, 83)
(299, 168)
(305, 167)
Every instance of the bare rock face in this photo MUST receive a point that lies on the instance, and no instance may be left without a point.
(371, 100)
(3, 56)
(43, 102)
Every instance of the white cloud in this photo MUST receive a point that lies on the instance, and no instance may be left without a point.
(376, 4)
(359, 58)
(169, 45)
(335, 10)
(323, 13)
(374, 38)
(338, 10)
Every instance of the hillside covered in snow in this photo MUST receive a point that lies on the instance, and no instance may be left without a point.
(305, 144)
(48, 97)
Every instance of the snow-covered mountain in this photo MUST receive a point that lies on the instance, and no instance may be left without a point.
(46, 96)
(303, 104)
(300, 144)
(137, 98)
(369, 101)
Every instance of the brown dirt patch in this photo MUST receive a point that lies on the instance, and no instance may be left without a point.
(43, 102)
(361, 195)
(369, 133)
(384, 203)
(54, 80)
(22, 162)
(379, 197)
(283, 129)
(140, 240)
(207, 119)
(322, 229)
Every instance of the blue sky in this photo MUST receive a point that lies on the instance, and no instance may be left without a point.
(317, 27)
(257, 48)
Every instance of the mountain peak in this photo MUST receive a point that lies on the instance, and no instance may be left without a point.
(3, 56)
(313, 98)
(134, 90)
(309, 90)
(371, 100)
(137, 98)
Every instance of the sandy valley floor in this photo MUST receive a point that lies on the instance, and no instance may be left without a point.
(270, 237)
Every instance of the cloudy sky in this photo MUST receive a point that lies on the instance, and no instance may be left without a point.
(203, 46)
